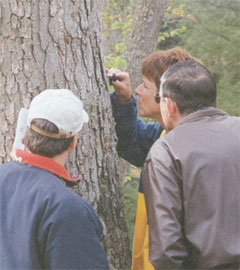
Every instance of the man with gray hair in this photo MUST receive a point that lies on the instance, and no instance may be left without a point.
(44, 224)
(191, 176)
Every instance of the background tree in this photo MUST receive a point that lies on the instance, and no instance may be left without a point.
(131, 29)
(57, 44)
(142, 38)
(117, 19)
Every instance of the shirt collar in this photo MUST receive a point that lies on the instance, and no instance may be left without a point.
(44, 163)
(199, 114)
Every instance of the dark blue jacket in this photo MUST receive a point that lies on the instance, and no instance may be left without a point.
(135, 137)
(44, 224)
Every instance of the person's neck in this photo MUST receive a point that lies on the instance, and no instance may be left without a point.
(158, 118)
(61, 159)
(175, 121)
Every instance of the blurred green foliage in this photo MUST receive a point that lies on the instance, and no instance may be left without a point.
(213, 35)
(171, 23)
(130, 189)
(117, 21)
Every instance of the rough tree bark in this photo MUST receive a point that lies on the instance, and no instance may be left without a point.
(142, 37)
(57, 44)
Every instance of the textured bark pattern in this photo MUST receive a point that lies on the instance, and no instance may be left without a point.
(142, 37)
(57, 44)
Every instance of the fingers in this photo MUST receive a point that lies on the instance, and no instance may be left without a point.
(113, 78)
(113, 70)
(119, 74)
(118, 84)
(121, 83)
(122, 90)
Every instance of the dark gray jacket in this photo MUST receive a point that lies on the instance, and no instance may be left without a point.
(191, 181)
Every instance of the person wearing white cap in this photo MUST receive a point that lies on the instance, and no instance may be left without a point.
(44, 224)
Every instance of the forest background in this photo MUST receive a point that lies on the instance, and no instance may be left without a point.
(208, 29)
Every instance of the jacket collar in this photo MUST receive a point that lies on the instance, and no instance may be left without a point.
(44, 163)
(206, 112)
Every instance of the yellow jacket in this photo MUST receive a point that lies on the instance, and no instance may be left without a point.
(140, 252)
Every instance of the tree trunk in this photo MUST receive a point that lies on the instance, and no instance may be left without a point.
(141, 41)
(142, 37)
(57, 44)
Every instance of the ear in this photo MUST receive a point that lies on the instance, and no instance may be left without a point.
(74, 142)
(171, 107)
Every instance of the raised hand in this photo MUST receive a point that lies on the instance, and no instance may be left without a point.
(121, 84)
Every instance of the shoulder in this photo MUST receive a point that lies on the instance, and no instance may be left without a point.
(63, 198)
(234, 120)
(164, 147)
(68, 204)
(150, 128)
(159, 149)
(10, 166)
(63, 208)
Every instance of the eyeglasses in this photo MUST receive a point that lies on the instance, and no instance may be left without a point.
(157, 98)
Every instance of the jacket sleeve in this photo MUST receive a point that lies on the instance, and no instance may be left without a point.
(70, 237)
(135, 137)
(162, 185)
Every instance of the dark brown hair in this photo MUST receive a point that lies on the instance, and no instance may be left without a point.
(190, 85)
(158, 62)
(42, 145)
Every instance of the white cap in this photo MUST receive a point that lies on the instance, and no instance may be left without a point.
(62, 108)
